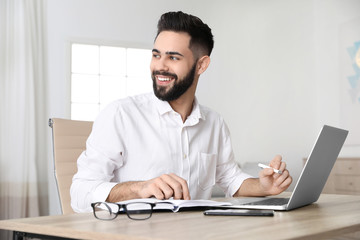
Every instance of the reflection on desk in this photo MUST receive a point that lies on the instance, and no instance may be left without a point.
(332, 215)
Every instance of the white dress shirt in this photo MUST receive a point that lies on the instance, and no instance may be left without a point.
(142, 137)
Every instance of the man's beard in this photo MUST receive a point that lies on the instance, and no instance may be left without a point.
(179, 87)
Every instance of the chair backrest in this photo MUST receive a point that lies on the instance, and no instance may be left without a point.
(69, 141)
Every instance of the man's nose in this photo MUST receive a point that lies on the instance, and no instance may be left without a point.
(161, 65)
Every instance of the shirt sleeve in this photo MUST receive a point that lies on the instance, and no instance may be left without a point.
(96, 165)
(229, 176)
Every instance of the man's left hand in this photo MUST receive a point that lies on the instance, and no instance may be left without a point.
(272, 183)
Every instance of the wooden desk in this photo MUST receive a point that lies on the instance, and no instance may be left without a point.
(331, 216)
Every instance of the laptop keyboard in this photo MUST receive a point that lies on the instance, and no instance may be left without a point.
(270, 201)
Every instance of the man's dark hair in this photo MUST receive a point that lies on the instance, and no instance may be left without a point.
(202, 40)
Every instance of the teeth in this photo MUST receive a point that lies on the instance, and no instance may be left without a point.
(162, 79)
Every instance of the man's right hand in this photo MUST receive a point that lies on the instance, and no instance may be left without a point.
(163, 187)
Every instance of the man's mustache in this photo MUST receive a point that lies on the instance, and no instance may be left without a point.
(165, 74)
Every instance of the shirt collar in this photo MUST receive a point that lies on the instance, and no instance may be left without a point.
(164, 107)
(196, 111)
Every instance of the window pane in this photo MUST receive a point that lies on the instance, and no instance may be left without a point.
(84, 111)
(138, 62)
(102, 74)
(138, 85)
(85, 59)
(112, 61)
(111, 88)
(85, 88)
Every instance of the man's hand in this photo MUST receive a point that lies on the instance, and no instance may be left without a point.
(268, 183)
(163, 187)
(272, 183)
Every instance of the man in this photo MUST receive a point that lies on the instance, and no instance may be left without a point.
(165, 144)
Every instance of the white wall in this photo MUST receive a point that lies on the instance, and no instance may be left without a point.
(262, 78)
(269, 67)
(330, 17)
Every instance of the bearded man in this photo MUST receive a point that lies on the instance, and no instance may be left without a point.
(165, 144)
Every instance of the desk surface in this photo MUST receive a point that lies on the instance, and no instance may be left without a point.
(332, 215)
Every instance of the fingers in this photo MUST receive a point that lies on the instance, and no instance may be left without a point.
(286, 183)
(280, 181)
(274, 165)
(167, 186)
(266, 172)
(283, 180)
(161, 189)
(276, 162)
(184, 192)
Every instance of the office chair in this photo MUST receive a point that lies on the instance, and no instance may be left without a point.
(69, 141)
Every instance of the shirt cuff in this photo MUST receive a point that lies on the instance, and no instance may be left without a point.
(235, 185)
(102, 191)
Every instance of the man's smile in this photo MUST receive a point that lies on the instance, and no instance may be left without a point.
(164, 80)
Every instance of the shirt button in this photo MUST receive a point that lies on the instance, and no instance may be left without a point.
(185, 156)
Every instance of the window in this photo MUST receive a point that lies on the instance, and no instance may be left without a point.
(102, 74)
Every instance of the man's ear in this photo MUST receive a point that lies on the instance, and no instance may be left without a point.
(203, 64)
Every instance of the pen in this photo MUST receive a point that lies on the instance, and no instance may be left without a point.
(266, 166)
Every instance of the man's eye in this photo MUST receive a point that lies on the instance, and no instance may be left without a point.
(174, 58)
(156, 56)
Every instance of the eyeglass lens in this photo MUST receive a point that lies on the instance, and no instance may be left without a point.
(139, 211)
(106, 211)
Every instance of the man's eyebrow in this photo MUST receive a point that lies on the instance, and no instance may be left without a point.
(174, 53)
(168, 53)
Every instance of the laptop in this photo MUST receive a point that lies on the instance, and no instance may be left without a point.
(312, 178)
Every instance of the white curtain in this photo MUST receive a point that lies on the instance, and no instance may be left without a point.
(23, 110)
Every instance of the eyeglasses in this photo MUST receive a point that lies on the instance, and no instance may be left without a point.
(134, 210)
